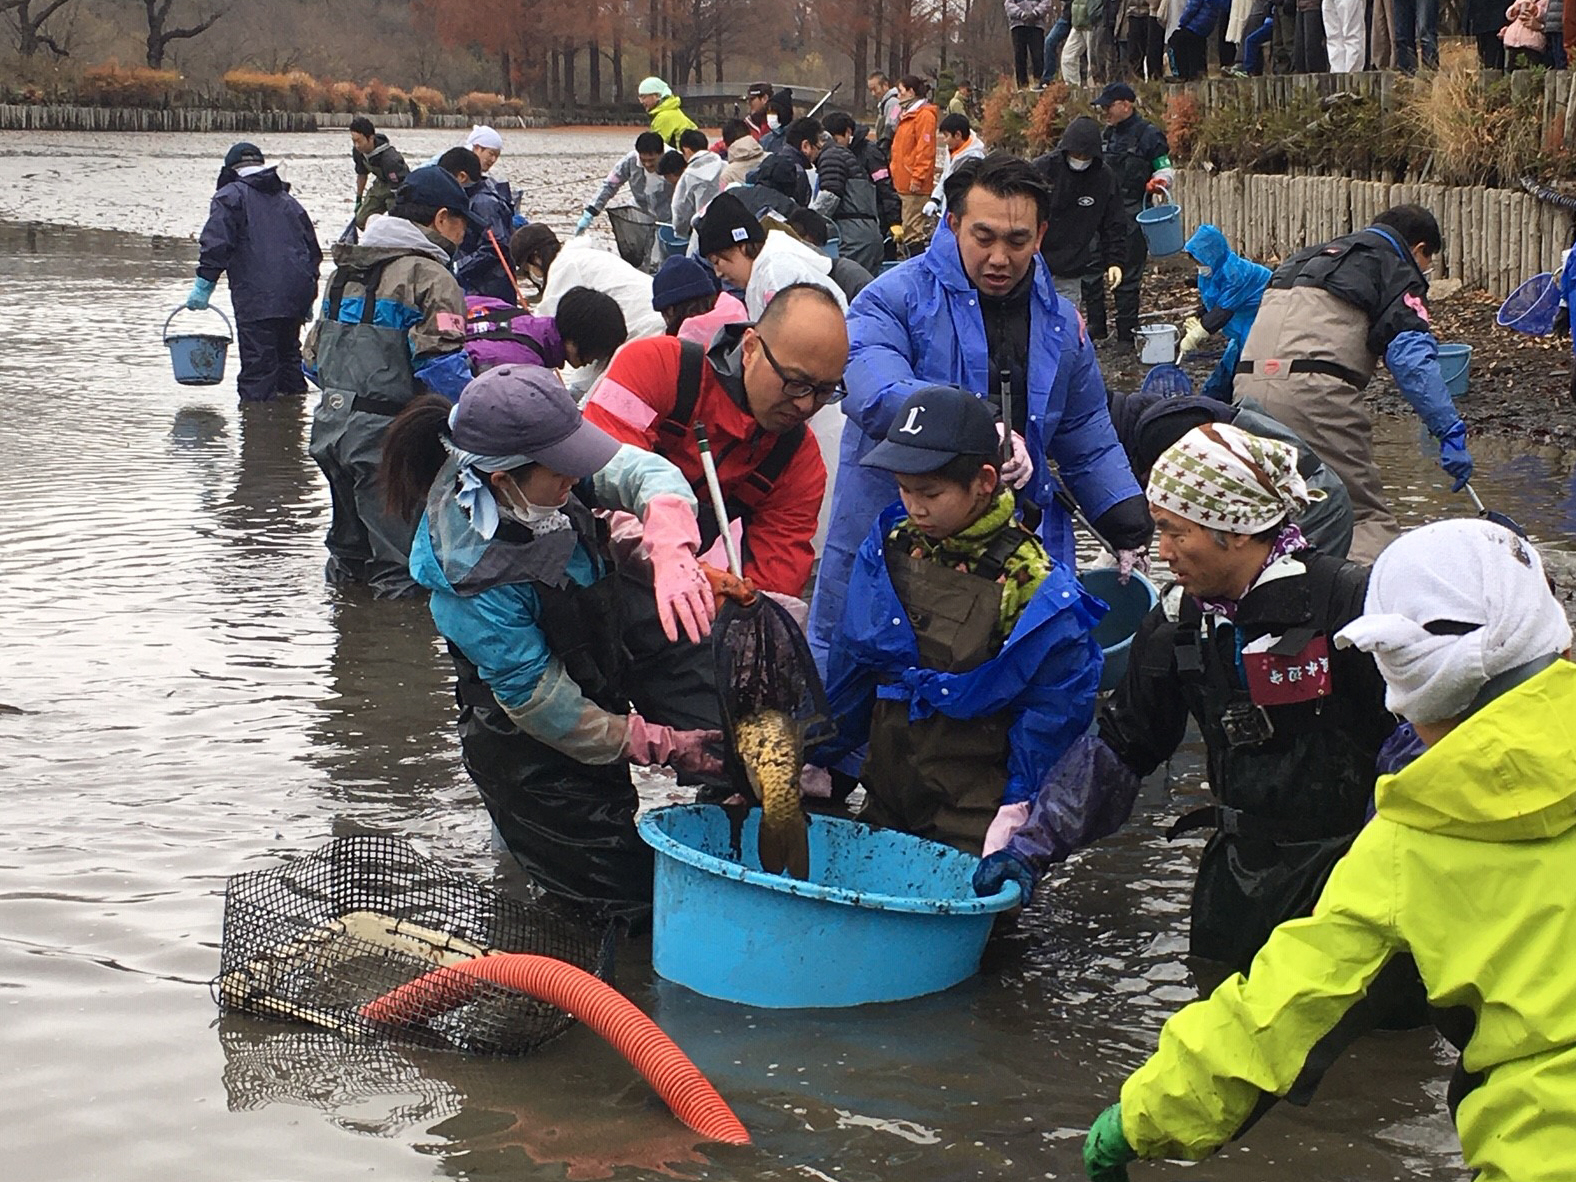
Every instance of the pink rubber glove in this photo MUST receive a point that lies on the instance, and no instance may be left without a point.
(647, 744)
(1127, 561)
(1016, 471)
(1008, 820)
(684, 598)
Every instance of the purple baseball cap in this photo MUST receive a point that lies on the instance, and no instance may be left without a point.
(525, 410)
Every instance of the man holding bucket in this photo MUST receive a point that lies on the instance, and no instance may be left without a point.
(1137, 152)
(1292, 725)
(1329, 314)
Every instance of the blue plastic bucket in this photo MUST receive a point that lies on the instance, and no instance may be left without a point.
(833, 247)
(1162, 227)
(1455, 366)
(891, 265)
(1129, 605)
(884, 915)
(670, 242)
(1531, 308)
(198, 358)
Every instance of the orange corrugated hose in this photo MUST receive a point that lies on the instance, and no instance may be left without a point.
(596, 1003)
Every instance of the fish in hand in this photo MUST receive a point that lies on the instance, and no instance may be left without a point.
(771, 747)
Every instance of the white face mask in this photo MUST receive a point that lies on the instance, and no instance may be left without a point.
(1077, 165)
(536, 518)
(772, 120)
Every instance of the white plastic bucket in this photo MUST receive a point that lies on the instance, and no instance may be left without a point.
(1157, 344)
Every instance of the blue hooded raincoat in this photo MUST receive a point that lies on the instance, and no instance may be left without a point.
(920, 325)
(1234, 284)
(1047, 673)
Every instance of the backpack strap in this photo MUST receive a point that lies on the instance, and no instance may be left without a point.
(692, 355)
(993, 563)
(368, 278)
(759, 483)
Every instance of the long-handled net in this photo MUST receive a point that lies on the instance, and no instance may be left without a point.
(317, 940)
(635, 233)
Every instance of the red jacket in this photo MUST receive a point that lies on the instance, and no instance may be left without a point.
(638, 395)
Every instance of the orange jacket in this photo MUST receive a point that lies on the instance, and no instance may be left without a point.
(914, 149)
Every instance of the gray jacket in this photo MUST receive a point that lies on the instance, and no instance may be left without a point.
(651, 192)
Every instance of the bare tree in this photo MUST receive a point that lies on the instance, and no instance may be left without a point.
(28, 25)
(160, 34)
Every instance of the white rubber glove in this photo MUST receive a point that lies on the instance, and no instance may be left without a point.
(1113, 276)
(931, 210)
(1194, 335)
(1127, 561)
(1016, 471)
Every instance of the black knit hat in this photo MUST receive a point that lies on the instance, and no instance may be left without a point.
(242, 154)
(728, 224)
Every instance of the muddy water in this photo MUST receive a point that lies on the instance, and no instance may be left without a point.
(186, 700)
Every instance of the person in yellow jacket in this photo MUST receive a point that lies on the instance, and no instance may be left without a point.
(665, 109)
(1466, 867)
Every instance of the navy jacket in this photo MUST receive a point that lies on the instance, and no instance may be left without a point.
(262, 237)
(476, 263)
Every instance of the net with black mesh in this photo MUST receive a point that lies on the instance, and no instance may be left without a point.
(764, 664)
(317, 939)
(635, 233)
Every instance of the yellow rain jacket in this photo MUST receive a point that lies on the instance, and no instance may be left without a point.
(669, 120)
(1468, 866)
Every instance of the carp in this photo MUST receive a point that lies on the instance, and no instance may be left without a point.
(771, 747)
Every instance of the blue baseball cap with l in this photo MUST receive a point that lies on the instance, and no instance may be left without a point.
(432, 187)
(935, 426)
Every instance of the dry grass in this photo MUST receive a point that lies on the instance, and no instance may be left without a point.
(115, 85)
(1466, 131)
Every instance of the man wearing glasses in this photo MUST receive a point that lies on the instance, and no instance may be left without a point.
(977, 310)
(755, 389)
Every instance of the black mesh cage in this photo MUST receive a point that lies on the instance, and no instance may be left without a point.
(635, 233)
(316, 939)
(764, 663)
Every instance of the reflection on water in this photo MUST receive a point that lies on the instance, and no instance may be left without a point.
(198, 703)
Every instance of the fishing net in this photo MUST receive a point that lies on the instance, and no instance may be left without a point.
(1168, 381)
(317, 939)
(635, 232)
(764, 664)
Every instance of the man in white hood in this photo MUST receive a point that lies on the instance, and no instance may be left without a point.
(698, 184)
(744, 255)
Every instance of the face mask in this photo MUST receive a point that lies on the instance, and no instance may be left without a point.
(772, 121)
(1206, 271)
(536, 518)
(1078, 165)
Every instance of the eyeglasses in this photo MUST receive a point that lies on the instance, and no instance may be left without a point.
(824, 393)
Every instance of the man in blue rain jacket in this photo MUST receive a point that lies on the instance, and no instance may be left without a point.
(978, 310)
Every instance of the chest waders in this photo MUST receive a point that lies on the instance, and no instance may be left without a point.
(571, 825)
(940, 777)
(367, 378)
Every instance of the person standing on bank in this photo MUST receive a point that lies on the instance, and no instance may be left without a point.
(1329, 315)
(261, 237)
(1086, 252)
(977, 310)
(540, 620)
(1137, 152)
(392, 325)
(914, 156)
(1027, 19)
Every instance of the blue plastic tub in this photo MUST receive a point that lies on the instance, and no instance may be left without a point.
(1455, 366)
(1129, 605)
(198, 358)
(883, 917)
(1531, 308)
(669, 242)
(1162, 227)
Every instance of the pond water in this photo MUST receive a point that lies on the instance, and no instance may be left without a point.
(184, 699)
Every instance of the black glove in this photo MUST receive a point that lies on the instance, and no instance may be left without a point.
(1127, 524)
(997, 870)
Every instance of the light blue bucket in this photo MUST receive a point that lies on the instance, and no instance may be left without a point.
(1129, 605)
(833, 247)
(884, 915)
(670, 241)
(1455, 366)
(1162, 227)
(198, 358)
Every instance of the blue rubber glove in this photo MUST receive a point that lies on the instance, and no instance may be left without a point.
(1454, 457)
(584, 223)
(201, 293)
(997, 870)
(1106, 1151)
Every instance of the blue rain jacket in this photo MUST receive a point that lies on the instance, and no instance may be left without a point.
(476, 264)
(1047, 673)
(1234, 284)
(259, 234)
(920, 325)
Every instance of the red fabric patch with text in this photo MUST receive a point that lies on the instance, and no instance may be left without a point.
(1275, 680)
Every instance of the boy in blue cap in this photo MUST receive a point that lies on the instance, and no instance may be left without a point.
(965, 657)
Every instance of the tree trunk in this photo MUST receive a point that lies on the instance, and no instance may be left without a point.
(506, 73)
(654, 32)
(554, 88)
(594, 73)
(944, 34)
(570, 53)
(618, 65)
(861, 60)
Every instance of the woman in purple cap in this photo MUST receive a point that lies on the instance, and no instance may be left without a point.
(551, 640)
